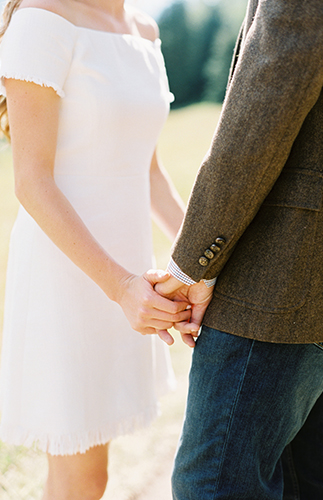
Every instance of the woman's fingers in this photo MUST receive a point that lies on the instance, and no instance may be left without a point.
(159, 320)
(156, 314)
(165, 336)
(146, 310)
(165, 306)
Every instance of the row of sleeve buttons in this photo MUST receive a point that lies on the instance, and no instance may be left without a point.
(210, 253)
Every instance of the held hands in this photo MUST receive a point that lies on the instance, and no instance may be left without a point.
(146, 310)
(156, 301)
(198, 296)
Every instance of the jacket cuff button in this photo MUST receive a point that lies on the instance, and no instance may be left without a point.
(215, 248)
(209, 254)
(220, 241)
(203, 261)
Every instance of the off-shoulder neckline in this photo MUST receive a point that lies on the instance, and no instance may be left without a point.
(111, 33)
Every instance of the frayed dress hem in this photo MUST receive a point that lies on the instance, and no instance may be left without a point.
(77, 442)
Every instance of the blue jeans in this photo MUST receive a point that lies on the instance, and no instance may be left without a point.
(253, 427)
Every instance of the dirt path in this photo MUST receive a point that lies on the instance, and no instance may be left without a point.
(160, 487)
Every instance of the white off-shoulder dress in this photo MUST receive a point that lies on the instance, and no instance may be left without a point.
(73, 373)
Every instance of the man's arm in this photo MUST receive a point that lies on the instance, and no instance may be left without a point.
(277, 80)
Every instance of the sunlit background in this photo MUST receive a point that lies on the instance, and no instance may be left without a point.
(197, 41)
(198, 38)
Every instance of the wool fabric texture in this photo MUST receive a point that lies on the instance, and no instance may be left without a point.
(260, 186)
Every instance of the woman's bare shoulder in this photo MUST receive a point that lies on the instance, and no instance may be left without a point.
(146, 25)
(55, 6)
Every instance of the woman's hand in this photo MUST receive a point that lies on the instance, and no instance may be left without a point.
(146, 310)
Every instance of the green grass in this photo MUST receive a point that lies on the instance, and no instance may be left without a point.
(182, 146)
(136, 459)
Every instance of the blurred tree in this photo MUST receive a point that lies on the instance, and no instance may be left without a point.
(197, 42)
(204, 22)
(175, 36)
(216, 69)
(187, 33)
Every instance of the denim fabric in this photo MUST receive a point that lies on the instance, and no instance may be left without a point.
(253, 428)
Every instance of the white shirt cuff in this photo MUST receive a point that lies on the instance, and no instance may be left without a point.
(177, 273)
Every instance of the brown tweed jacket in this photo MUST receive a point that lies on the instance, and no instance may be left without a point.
(255, 213)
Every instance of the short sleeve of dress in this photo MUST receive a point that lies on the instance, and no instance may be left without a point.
(171, 97)
(37, 47)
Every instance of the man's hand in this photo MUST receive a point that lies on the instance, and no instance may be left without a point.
(198, 295)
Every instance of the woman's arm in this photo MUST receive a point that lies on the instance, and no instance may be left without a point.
(167, 206)
(33, 116)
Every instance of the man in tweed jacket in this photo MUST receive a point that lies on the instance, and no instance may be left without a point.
(254, 420)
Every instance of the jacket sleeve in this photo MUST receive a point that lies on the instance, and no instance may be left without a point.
(276, 81)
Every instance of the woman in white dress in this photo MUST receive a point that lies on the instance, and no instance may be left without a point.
(86, 97)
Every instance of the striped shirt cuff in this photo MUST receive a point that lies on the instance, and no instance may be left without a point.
(177, 273)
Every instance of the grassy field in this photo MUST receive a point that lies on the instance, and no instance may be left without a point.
(134, 460)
